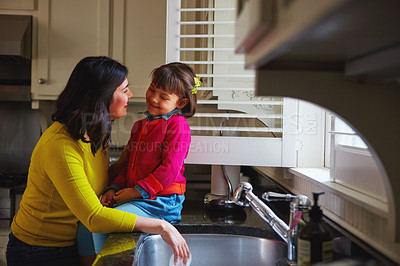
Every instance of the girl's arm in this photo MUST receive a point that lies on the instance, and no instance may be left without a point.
(118, 173)
(175, 150)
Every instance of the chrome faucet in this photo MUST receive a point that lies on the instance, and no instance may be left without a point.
(243, 196)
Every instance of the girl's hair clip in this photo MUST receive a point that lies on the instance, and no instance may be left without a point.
(197, 83)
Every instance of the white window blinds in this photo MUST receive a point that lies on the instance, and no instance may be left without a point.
(201, 34)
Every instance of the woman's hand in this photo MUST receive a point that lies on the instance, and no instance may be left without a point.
(108, 198)
(174, 239)
(169, 234)
(126, 194)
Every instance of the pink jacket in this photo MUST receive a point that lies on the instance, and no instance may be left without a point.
(157, 150)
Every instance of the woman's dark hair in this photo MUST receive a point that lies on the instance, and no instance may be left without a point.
(83, 106)
(177, 78)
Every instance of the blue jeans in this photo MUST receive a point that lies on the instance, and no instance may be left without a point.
(19, 253)
(91, 243)
(166, 207)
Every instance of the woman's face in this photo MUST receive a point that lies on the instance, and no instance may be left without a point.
(119, 105)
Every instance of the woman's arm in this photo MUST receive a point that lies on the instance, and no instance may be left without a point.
(66, 169)
(70, 181)
(168, 233)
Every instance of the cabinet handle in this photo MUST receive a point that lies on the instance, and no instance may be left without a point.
(41, 81)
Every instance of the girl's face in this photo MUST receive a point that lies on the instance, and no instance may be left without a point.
(160, 102)
(119, 105)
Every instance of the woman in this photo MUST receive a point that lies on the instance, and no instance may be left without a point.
(69, 170)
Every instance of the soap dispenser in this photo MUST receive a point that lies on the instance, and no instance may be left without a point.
(314, 239)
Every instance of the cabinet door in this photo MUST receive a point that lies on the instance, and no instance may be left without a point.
(67, 31)
(17, 5)
(139, 32)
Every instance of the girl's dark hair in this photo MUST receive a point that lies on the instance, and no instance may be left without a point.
(177, 78)
(84, 104)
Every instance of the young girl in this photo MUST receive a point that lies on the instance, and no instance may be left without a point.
(151, 184)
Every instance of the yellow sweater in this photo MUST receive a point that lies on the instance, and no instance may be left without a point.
(64, 183)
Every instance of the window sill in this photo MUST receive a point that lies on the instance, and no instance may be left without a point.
(320, 178)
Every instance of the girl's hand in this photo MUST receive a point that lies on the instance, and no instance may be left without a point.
(126, 194)
(108, 198)
(169, 234)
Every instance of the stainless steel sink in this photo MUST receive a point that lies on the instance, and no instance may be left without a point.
(213, 249)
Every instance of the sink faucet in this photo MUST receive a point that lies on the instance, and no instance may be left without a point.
(243, 196)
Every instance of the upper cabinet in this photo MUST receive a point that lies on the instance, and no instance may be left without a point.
(17, 5)
(67, 31)
(358, 37)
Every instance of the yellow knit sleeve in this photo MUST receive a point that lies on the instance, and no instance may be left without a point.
(68, 166)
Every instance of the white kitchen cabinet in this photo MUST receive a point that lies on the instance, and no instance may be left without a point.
(139, 32)
(67, 31)
(17, 5)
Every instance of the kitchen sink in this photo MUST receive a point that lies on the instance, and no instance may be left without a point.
(212, 249)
